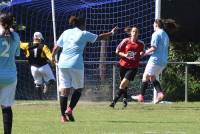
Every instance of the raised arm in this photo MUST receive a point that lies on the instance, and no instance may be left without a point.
(104, 36)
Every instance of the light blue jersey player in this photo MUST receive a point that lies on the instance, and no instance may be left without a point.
(157, 61)
(76, 41)
(160, 41)
(9, 48)
(71, 67)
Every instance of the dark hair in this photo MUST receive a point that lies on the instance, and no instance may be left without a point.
(129, 28)
(76, 21)
(167, 24)
(7, 21)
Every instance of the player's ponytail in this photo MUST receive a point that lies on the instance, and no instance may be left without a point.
(128, 30)
(166, 24)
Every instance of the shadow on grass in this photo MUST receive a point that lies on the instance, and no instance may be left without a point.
(138, 122)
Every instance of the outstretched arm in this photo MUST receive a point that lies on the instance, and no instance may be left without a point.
(104, 36)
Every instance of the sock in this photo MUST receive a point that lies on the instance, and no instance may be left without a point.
(144, 87)
(120, 92)
(63, 104)
(125, 93)
(75, 98)
(157, 86)
(7, 120)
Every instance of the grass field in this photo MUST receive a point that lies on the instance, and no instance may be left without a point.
(34, 117)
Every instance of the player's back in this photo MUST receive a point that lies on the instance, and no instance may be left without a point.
(9, 48)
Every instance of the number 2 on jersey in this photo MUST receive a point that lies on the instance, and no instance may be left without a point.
(5, 52)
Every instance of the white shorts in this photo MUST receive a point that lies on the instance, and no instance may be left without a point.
(71, 78)
(7, 94)
(42, 74)
(152, 70)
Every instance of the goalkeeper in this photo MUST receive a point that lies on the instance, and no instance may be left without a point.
(129, 51)
(38, 55)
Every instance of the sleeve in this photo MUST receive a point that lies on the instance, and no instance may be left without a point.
(47, 52)
(60, 42)
(154, 40)
(24, 45)
(122, 45)
(90, 37)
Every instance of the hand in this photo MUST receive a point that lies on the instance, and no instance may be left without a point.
(142, 53)
(127, 56)
(114, 30)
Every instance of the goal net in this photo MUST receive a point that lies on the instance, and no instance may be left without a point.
(101, 71)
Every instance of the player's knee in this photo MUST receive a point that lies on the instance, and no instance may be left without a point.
(145, 77)
(152, 78)
(124, 83)
(65, 92)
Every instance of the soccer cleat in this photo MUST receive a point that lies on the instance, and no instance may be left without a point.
(112, 105)
(139, 98)
(125, 102)
(63, 119)
(69, 114)
(159, 97)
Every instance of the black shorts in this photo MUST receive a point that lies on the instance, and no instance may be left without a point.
(127, 73)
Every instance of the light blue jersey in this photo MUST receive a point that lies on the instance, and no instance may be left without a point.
(160, 41)
(9, 48)
(73, 42)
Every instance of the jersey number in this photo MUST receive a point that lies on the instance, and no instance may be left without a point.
(5, 52)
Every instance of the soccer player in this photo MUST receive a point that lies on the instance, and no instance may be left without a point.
(157, 61)
(129, 51)
(9, 48)
(38, 55)
(71, 66)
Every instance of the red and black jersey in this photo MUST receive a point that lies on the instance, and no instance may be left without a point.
(134, 48)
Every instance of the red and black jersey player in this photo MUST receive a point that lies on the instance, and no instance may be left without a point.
(129, 50)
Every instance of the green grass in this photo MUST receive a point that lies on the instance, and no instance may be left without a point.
(97, 118)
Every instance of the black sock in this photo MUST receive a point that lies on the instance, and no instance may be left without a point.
(144, 87)
(7, 120)
(120, 92)
(125, 93)
(75, 98)
(157, 86)
(63, 104)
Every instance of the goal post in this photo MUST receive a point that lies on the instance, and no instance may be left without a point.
(101, 16)
(157, 16)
